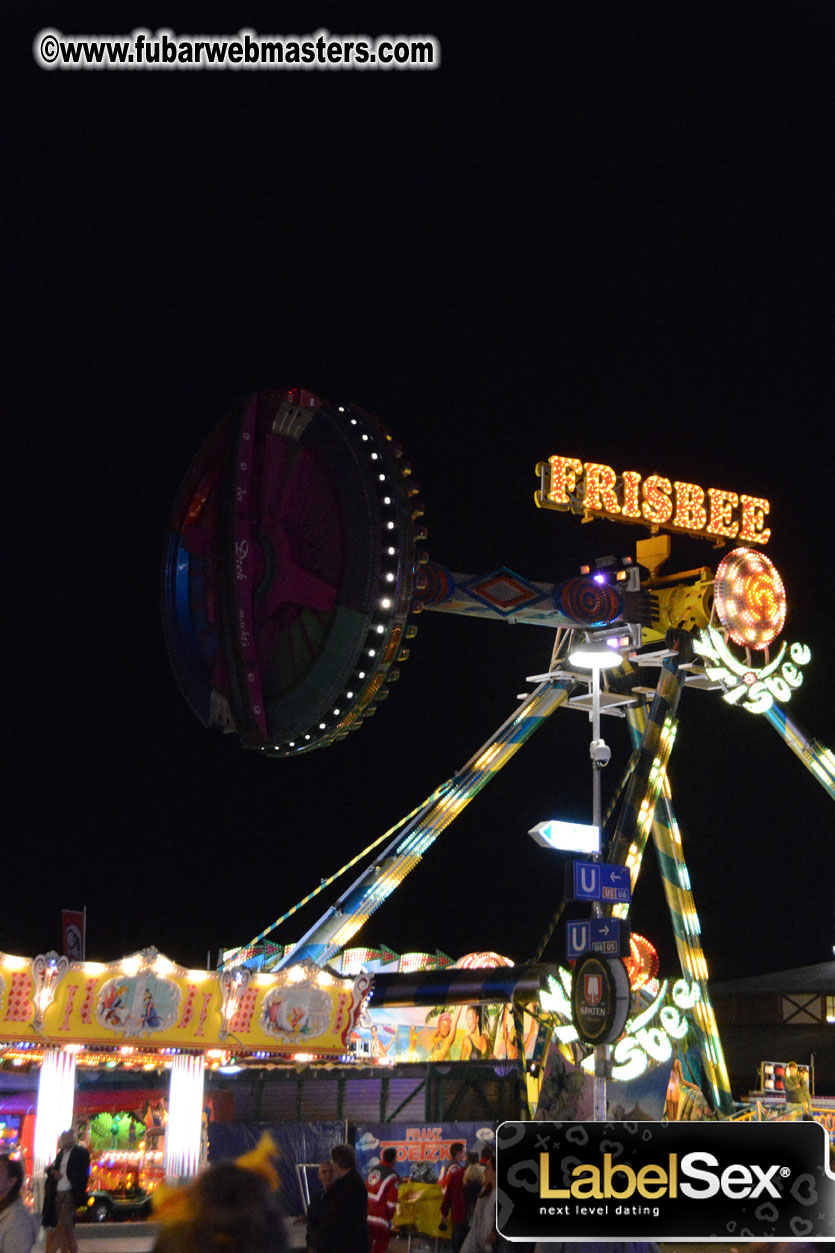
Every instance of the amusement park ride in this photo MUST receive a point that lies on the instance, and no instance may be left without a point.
(292, 577)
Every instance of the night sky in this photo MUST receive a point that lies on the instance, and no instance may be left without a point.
(606, 233)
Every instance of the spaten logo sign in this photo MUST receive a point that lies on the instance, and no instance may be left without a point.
(593, 989)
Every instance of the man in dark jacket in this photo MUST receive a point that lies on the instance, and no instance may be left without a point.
(343, 1226)
(796, 1086)
(66, 1190)
(314, 1209)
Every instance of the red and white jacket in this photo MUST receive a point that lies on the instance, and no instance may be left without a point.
(453, 1203)
(382, 1184)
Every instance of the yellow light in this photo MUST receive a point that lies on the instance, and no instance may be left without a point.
(751, 530)
(482, 762)
(93, 968)
(130, 965)
(162, 966)
(600, 488)
(15, 963)
(631, 500)
(722, 505)
(564, 474)
(690, 513)
(657, 507)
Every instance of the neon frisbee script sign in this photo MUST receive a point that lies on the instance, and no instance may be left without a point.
(650, 1033)
(755, 689)
(595, 490)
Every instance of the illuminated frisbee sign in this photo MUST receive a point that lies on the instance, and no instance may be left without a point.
(595, 490)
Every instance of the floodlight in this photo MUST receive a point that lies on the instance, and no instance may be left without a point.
(595, 655)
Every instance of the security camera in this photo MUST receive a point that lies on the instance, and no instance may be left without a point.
(600, 753)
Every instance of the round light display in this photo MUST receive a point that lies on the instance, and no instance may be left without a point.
(482, 961)
(750, 598)
(642, 962)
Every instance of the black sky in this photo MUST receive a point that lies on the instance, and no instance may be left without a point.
(604, 231)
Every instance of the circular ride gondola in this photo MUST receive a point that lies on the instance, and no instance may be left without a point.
(290, 571)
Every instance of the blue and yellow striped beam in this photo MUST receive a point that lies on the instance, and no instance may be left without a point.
(653, 749)
(241, 954)
(684, 918)
(356, 905)
(647, 809)
(818, 760)
(667, 839)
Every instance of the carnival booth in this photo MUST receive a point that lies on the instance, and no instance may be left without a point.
(145, 1016)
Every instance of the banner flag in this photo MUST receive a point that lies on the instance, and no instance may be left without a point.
(73, 926)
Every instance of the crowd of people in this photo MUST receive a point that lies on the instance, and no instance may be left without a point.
(468, 1203)
(234, 1207)
(231, 1208)
(349, 1216)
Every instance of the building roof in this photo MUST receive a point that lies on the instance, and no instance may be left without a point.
(819, 978)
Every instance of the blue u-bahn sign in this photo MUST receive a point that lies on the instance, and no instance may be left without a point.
(596, 935)
(600, 881)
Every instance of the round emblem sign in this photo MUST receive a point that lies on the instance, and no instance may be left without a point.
(599, 998)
